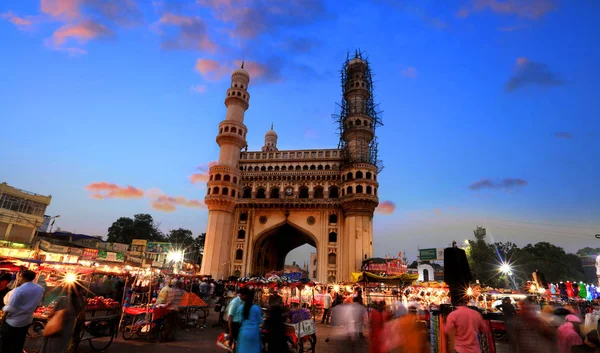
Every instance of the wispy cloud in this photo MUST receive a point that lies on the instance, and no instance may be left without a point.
(82, 32)
(158, 199)
(198, 88)
(564, 135)
(104, 190)
(166, 203)
(505, 184)
(21, 23)
(188, 32)
(386, 207)
(212, 70)
(527, 72)
(203, 175)
(531, 9)
(409, 72)
(85, 20)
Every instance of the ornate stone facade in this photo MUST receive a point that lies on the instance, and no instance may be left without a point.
(264, 204)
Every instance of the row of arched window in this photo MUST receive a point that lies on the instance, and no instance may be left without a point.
(233, 130)
(284, 168)
(359, 175)
(226, 177)
(262, 177)
(358, 122)
(233, 94)
(217, 191)
(275, 193)
(369, 190)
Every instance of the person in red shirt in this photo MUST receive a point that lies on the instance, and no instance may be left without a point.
(462, 328)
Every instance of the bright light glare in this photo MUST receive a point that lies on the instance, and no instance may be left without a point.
(505, 268)
(175, 256)
(470, 292)
(336, 288)
(70, 278)
(542, 291)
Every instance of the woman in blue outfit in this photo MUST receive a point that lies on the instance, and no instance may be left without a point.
(249, 337)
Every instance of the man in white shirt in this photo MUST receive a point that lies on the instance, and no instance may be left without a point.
(19, 313)
(327, 300)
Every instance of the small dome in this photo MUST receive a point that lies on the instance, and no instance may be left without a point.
(241, 71)
(271, 133)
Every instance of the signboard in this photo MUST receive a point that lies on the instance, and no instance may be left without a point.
(428, 254)
(89, 254)
(110, 256)
(391, 267)
(159, 248)
(118, 247)
(47, 246)
(75, 251)
(10, 244)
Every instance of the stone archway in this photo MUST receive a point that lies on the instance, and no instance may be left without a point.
(272, 246)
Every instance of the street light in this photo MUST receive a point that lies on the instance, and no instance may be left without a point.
(505, 268)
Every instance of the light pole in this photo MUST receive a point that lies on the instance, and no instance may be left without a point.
(54, 220)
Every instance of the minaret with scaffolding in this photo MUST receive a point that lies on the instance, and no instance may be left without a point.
(357, 121)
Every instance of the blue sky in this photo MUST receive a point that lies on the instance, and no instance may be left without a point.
(490, 107)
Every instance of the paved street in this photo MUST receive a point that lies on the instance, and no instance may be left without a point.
(204, 341)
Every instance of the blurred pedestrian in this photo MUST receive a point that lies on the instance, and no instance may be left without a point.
(64, 322)
(462, 327)
(327, 303)
(567, 334)
(249, 340)
(378, 317)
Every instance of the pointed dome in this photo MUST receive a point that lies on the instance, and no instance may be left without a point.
(271, 132)
(241, 71)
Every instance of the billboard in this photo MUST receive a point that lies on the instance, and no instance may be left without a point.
(431, 254)
(159, 247)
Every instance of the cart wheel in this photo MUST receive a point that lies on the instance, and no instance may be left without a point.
(308, 344)
(101, 344)
(128, 332)
(34, 341)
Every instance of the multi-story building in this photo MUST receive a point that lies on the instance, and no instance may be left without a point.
(21, 213)
(263, 204)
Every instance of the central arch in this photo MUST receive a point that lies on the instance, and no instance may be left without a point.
(271, 247)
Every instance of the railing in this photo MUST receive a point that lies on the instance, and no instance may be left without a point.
(330, 154)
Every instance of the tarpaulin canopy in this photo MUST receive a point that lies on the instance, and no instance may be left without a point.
(371, 277)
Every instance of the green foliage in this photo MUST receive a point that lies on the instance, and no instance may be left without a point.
(485, 260)
(588, 252)
(142, 226)
(180, 238)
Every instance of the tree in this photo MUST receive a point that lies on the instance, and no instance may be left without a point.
(196, 250)
(180, 238)
(142, 226)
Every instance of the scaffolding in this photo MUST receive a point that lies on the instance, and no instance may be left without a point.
(358, 100)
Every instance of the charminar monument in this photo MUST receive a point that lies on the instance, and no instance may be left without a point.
(263, 204)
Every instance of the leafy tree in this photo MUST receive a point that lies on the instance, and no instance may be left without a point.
(196, 250)
(142, 226)
(180, 238)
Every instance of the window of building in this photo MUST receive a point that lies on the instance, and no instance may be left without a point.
(225, 191)
(333, 237)
(369, 175)
(247, 193)
(359, 175)
(369, 190)
(239, 254)
(226, 177)
(233, 193)
(235, 180)
(274, 193)
(305, 167)
(333, 192)
(303, 194)
(218, 177)
(331, 259)
(318, 193)
(349, 190)
(19, 204)
(243, 217)
(333, 218)
(359, 189)
(349, 176)
(216, 190)
(260, 193)
(241, 234)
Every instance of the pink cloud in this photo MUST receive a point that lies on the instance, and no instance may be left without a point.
(212, 70)
(104, 190)
(61, 8)
(386, 207)
(83, 32)
(169, 203)
(409, 72)
(20, 22)
(203, 176)
(522, 61)
(531, 9)
(198, 88)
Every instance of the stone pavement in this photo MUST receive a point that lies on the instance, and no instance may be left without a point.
(204, 341)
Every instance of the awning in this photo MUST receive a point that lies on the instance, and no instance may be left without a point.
(404, 278)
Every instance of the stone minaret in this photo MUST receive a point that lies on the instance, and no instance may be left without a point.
(359, 172)
(223, 187)
(270, 141)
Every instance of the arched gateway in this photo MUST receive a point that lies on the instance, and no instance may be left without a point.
(263, 204)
